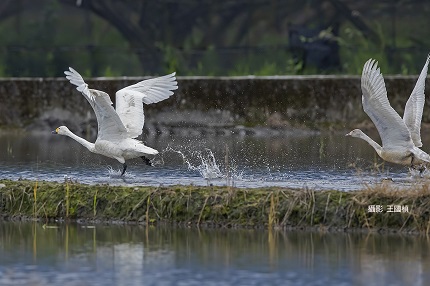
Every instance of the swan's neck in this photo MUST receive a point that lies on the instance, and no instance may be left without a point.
(372, 143)
(90, 146)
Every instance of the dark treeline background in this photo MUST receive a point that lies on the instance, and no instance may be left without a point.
(205, 37)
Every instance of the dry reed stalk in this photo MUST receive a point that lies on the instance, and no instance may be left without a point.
(350, 218)
(338, 204)
(188, 200)
(406, 220)
(147, 209)
(201, 212)
(272, 210)
(136, 207)
(313, 206)
(326, 207)
(42, 207)
(22, 200)
(35, 200)
(95, 203)
(305, 202)
(366, 221)
(285, 195)
(46, 214)
(155, 210)
(67, 199)
(289, 211)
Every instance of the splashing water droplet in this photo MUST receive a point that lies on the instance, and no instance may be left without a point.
(415, 173)
(206, 167)
(116, 174)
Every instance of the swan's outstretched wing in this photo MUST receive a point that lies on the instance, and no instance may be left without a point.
(110, 126)
(414, 107)
(390, 125)
(129, 100)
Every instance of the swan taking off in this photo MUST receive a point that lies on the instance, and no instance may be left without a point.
(400, 137)
(118, 128)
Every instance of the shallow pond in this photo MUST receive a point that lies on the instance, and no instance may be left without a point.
(31, 254)
(315, 161)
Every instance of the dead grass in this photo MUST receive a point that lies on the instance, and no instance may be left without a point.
(221, 206)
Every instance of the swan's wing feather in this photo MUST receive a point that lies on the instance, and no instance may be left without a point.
(129, 100)
(414, 107)
(391, 128)
(76, 79)
(420, 154)
(155, 89)
(130, 109)
(110, 126)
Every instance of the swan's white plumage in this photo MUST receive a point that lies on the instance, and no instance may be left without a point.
(129, 100)
(415, 105)
(391, 128)
(116, 129)
(400, 138)
(110, 126)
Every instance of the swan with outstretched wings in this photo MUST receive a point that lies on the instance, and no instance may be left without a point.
(117, 129)
(400, 138)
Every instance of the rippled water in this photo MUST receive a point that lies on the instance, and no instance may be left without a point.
(317, 161)
(31, 254)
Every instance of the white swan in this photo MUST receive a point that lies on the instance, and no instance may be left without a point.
(400, 138)
(117, 129)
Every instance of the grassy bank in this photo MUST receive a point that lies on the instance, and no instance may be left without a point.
(220, 206)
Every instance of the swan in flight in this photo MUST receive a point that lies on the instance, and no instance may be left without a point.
(400, 137)
(117, 129)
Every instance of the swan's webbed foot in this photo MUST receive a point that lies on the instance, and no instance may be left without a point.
(420, 168)
(146, 160)
(124, 167)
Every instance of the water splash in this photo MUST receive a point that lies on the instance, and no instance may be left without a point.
(70, 179)
(415, 173)
(116, 174)
(207, 166)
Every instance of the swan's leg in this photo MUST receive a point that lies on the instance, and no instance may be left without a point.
(124, 167)
(146, 160)
(413, 167)
(422, 168)
(412, 161)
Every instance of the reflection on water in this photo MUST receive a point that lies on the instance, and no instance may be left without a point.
(318, 161)
(132, 255)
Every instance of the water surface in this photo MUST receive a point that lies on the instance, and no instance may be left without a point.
(328, 161)
(31, 254)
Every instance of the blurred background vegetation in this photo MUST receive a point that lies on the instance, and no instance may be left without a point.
(41, 38)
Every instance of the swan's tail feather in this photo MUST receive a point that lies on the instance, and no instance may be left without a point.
(142, 148)
(421, 155)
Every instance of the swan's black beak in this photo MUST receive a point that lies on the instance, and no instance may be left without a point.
(54, 132)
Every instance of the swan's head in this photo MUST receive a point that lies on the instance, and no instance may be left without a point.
(62, 130)
(355, 133)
